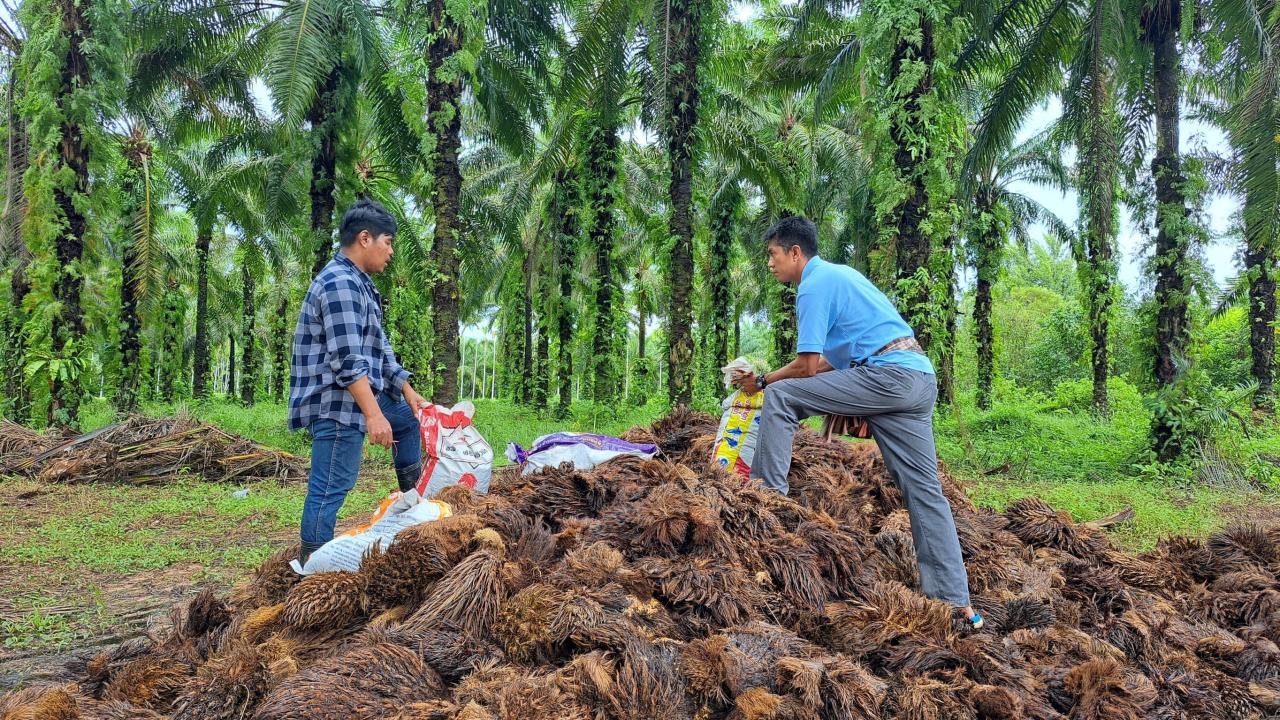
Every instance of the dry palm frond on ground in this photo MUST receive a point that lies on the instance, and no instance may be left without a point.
(666, 588)
(143, 450)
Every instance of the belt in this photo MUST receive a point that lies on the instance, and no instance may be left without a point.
(908, 343)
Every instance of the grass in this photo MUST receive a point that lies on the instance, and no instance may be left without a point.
(1160, 509)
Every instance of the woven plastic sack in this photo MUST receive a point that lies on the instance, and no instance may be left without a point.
(396, 512)
(739, 428)
(454, 452)
(581, 450)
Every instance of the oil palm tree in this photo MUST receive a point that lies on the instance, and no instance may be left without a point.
(1246, 102)
(999, 213)
(1117, 66)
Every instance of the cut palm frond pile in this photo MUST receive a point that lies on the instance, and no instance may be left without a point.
(144, 450)
(667, 589)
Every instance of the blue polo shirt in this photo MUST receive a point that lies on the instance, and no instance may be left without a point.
(843, 316)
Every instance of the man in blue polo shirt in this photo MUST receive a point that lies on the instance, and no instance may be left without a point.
(856, 356)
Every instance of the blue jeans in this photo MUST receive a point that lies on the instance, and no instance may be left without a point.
(335, 463)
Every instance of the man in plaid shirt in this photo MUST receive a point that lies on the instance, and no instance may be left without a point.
(345, 380)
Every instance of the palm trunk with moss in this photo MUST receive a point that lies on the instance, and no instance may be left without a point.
(719, 285)
(640, 385)
(202, 354)
(172, 338)
(325, 120)
(601, 178)
(563, 218)
(444, 113)
(987, 262)
(1259, 263)
(686, 18)
(17, 397)
(137, 152)
(68, 331)
(248, 339)
(17, 393)
(1160, 31)
(947, 343)
(527, 368)
(280, 339)
(913, 54)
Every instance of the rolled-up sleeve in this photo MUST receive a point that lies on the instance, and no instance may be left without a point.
(343, 314)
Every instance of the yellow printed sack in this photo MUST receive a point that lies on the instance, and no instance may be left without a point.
(739, 425)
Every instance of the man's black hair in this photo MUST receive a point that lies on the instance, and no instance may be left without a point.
(368, 215)
(794, 230)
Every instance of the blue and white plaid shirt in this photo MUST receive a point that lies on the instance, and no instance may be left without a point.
(339, 339)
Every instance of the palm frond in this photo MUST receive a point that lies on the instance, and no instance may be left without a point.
(1033, 74)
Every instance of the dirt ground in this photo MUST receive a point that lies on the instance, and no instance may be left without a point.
(85, 566)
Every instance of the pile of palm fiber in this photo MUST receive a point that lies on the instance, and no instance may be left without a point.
(19, 443)
(143, 450)
(665, 589)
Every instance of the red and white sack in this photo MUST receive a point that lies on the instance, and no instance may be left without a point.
(453, 451)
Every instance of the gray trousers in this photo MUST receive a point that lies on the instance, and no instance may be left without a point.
(898, 404)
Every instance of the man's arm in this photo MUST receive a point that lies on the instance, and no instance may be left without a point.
(343, 317)
(412, 397)
(806, 364)
(374, 420)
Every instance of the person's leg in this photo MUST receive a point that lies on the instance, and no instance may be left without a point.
(406, 451)
(907, 444)
(859, 391)
(335, 462)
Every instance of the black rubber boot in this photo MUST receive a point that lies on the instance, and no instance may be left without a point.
(407, 477)
(304, 553)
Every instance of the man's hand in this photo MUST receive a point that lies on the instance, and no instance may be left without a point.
(747, 381)
(379, 430)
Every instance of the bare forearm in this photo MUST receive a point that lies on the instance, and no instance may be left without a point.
(363, 394)
(805, 365)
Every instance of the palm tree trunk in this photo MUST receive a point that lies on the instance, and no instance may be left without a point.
(325, 120)
(914, 247)
(202, 353)
(231, 366)
(1259, 263)
(1172, 328)
(68, 331)
(564, 256)
(685, 27)
(526, 302)
(280, 346)
(1097, 140)
(640, 376)
(947, 353)
(17, 390)
(602, 174)
(542, 371)
(720, 284)
(130, 348)
(444, 108)
(987, 269)
(136, 151)
(172, 338)
(784, 325)
(248, 339)
(737, 331)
